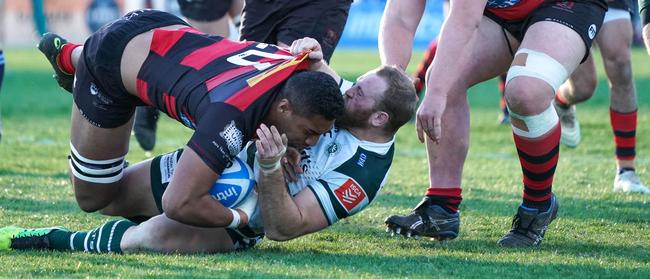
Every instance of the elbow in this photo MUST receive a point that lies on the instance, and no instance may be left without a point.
(174, 209)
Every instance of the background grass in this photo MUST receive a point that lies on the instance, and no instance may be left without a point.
(598, 233)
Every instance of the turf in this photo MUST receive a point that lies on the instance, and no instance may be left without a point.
(598, 233)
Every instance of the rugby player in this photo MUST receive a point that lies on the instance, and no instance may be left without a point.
(337, 178)
(208, 16)
(2, 75)
(221, 89)
(539, 43)
(644, 11)
(614, 42)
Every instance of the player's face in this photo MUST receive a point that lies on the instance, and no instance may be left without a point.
(361, 100)
(303, 131)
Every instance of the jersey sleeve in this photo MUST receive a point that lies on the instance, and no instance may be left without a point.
(353, 185)
(219, 136)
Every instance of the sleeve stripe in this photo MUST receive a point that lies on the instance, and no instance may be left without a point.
(329, 221)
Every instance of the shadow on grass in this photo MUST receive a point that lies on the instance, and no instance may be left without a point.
(502, 205)
(56, 175)
(38, 206)
(322, 263)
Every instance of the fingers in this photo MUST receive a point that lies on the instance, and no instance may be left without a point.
(288, 170)
(419, 129)
(437, 130)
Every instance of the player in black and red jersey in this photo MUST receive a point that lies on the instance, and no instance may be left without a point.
(539, 43)
(222, 89)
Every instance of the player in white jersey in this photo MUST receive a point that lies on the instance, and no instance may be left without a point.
(337, 178)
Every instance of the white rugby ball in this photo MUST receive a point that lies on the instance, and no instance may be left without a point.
(234, 185)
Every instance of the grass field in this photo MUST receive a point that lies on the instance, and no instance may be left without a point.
(598, 233)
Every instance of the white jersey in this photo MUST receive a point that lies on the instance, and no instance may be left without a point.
(344, 173)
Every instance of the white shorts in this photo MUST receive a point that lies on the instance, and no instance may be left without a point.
(615, 14)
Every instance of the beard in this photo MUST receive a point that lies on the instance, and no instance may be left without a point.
(356, 119)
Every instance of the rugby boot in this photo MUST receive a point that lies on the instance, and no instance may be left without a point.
(16, 238)
(51, 45)
(570, 126)
(427, 219)
(145, 126)
(529, 226)
(629, 182)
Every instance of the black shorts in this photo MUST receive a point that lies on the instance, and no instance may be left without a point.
(644, 11)
(620, 4)
(204, 10)
(584, 17)
(99, 92)
(273, 21)
(162, 169)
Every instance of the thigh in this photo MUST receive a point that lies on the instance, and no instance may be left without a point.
(615, 39)
(489, 53)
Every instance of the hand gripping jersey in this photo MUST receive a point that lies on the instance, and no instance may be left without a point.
(220, 88)
(344, 173)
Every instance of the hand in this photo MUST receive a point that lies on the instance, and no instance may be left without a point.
(429, 116)
(291, 164)
(307, 45)
(271, 147)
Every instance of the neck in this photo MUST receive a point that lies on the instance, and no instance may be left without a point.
(370, 134)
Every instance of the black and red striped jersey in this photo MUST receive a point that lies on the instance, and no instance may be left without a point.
(220, 88)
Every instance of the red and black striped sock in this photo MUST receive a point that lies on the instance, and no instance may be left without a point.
(447, 198)
(624, 126)
(538, 158)
(64, 59)
(421, 72)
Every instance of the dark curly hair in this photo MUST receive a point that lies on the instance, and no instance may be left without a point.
(313, 93)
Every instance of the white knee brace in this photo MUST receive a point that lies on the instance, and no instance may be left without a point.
(95, 171)
(536, 125)
(538, 65)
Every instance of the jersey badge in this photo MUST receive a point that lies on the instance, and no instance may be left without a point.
(333, 148)
(350, 194)
(233, 137)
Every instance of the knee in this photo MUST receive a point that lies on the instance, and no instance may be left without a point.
(90, 205)
(526, 95)
(583, 89)
(619, 69)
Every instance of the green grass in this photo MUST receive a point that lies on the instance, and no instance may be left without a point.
(598, 233)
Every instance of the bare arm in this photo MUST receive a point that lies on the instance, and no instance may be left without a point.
(397, 29)
(187, 199)
(284, 217)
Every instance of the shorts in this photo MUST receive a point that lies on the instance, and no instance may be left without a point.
(620, 5)
(99, 92)
(162, 169)
(584, 17)
(204, 10)
(644, 7)
(274, 21)
(616, 14)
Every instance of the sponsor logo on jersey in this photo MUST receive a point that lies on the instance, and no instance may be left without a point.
(350, 194)
(233, 137)
(333, 148)
(362, 159)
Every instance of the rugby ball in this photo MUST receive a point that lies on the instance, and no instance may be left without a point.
(234, 184)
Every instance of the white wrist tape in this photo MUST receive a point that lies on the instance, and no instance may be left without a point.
(236, 219)
(269, 168)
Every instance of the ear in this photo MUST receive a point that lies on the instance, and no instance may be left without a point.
(283, 107)
(379, 119)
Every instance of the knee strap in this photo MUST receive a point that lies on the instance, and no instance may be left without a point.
(95, 171)
(528, 62)
(536, 125)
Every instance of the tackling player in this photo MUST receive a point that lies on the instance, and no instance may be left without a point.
(614, 42)
(539, 43)
(338, 177)
(221, 89)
